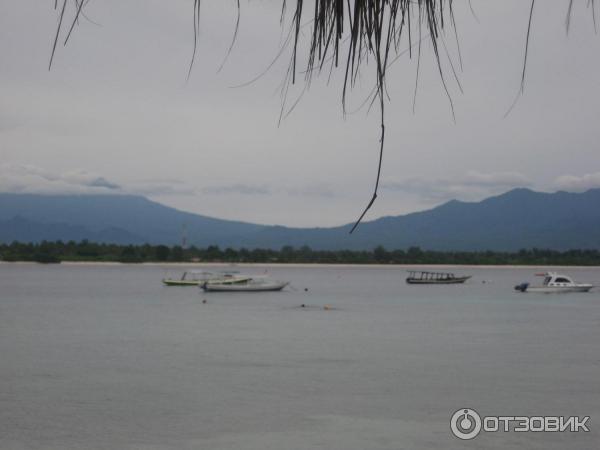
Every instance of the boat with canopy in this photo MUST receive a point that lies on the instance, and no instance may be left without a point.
(196, 278)
(425, 277)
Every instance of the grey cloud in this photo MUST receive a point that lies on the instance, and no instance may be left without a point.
(22, 178)
(317, 190)
(472, 186)
(25, 178)
(9, 121)
(238, 188)
(578, 183)
(499, 179)
(159, 188)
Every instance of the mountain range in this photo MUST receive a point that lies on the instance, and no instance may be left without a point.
(520, 218)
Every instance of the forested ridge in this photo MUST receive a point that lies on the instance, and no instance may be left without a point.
(54, 252)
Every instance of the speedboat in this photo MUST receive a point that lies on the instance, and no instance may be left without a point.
(247, 285)
(555, 283)
(196, 278)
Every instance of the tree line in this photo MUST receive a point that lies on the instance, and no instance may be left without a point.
(54, 252)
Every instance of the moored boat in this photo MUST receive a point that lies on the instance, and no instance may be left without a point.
(196, 278)
(248, 285)
(424, 277)
(555, 283)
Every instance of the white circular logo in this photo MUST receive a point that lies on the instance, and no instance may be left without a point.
(465, 423)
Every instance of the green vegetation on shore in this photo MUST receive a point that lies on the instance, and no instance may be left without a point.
(54, 252)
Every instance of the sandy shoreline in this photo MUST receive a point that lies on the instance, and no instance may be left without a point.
(300, 265)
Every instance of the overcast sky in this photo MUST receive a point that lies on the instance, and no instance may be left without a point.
(116, 115)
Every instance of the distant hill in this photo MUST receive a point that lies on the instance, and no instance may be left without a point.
(520, 218)
(111, 218)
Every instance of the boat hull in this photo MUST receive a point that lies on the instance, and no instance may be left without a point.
(558, 289)
(171, 282)
(270, 287)
(200, 282)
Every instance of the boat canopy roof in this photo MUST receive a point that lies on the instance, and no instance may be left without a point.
(426, 274)
(553, 277)
(206, 272)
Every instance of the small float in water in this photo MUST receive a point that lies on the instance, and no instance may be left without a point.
(424, 277)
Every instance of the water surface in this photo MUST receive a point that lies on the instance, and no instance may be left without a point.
(105, 357)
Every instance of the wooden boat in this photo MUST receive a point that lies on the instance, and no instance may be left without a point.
(196, 278)
(423, 277)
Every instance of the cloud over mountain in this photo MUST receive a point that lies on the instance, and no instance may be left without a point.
(24, 178)
(473, 185)
(578, 183)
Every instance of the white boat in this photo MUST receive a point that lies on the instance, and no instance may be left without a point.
(196, 278)
(248, 285)
(555, 283)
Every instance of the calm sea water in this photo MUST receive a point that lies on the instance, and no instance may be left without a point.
(105, 357)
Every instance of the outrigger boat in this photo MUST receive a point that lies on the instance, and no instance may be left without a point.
(196, 278)
(423, 277)
(247, 285)
(554, 283)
